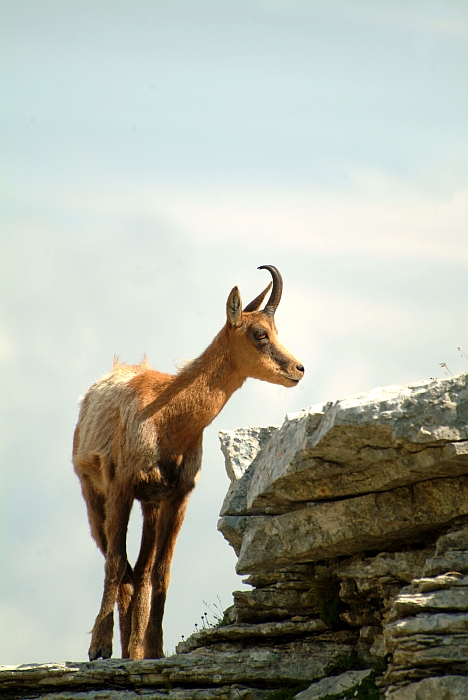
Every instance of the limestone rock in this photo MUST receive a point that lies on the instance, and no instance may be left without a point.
(234, 527)
(267, 604)
(381, 440)
(441, 593)
(240, 448)
(371, 572)
(438, 688)
(453, 541)
(449, 561)
(224, 665)
(371, 522)
(294, 573)
(451, 554)
(334, 685)
(233, 692)
(268, 632)
(376, 581)
(427, 629)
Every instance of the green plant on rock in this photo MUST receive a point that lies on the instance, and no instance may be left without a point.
(221, 617)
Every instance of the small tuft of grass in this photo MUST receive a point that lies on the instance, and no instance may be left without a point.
(220, 616)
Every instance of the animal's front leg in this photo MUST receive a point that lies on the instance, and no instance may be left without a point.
(170, 518)
(118, 507)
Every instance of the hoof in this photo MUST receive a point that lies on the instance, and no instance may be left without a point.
(102, 653)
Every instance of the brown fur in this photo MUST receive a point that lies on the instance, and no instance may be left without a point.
(139, 435)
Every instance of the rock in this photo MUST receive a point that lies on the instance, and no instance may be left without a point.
(378, 650)
(269, 632)
(273, 604)
(427, 629)
(300, 573)
(233, 528)
(451, 554)
(443, 688)
(353, 525)
(240, 448)
(233, 692)
(453, 541)
(450, 561)
(334, 685)
(382, 440)
(438, 598)
(371, 573)
(370, 585)
(295, 661)
(360, 618)
(427, 624)
(371, 645)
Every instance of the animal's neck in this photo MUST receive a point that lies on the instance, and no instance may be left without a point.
(199, 392)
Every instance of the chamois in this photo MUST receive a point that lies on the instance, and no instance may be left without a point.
(139, 435)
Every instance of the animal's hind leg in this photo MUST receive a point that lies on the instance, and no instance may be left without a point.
(95, 504)
(142, 578)
(125, 603)
(170, 518)
(118, 507)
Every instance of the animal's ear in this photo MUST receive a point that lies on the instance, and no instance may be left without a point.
(234, 308)
(256, 303)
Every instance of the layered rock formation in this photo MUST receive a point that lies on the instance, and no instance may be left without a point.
(351, 524)
(345, 505)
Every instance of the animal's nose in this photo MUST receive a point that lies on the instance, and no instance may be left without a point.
(300, 368)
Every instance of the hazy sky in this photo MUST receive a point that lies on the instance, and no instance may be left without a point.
(153, 155)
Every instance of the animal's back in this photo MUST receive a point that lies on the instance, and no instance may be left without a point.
(108, 435)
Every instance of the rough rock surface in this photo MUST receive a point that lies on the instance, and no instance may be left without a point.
(389, 437)
(339, 528)
(427, 629)
(358, 448)
(361, 489)
(255, 666)
(443, 688)
(269, 631)
(334, 685)
(240, 448)
(233, 692)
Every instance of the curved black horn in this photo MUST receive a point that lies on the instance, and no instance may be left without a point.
(275, 296)
(256, 303)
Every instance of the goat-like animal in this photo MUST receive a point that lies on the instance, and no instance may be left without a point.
(139, 435)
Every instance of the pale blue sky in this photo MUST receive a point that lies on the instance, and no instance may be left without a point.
(154, 154)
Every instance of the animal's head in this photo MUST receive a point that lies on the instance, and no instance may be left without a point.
(254, 338)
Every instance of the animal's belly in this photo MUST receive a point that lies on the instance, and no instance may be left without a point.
(169, 479)
(157, 491)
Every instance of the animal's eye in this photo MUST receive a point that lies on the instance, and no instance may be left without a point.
(261, 335)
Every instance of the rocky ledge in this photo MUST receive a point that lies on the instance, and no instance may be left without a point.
(351, 523)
